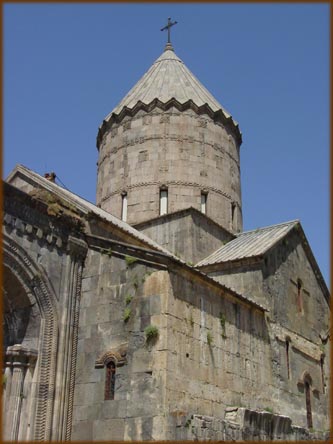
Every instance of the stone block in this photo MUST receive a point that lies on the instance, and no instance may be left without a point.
(139, 405)
(142, 361)
(89, 283)
(108, 430)
(114, 409)
(82, 431)
(88, 393)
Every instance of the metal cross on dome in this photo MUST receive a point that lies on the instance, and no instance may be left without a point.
(168, 26)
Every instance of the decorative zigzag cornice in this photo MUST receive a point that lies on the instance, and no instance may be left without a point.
(217, 116)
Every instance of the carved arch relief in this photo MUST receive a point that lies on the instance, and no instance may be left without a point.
(110, 360)
(30, 371)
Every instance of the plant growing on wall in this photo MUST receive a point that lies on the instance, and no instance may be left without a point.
(128, 299)
(222, 322)
(127, 314)
(151, 333)
(135, 282)
(146, 275)
(130, 260)
(107, 251)
(209, 338)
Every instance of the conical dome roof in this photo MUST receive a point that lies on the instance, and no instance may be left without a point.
(169, 80)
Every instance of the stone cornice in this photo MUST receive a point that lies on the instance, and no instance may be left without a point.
(169, 183)
(217, 116)
(173, 264)
(29, 217)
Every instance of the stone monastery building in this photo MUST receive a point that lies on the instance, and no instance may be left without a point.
(152, 315)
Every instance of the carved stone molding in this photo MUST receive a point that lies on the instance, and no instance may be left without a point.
(22, 228)
(117, 355)
(67, 349)
(35, 281)
(19, 355)
(77, 247)
(168, 183)
(219, 117)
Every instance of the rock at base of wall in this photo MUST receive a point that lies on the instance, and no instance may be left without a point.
(242, 424)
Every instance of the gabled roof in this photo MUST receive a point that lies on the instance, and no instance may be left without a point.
(83, 205)
(88, 208)
(249, 244)
(255, 243)
(183, 212)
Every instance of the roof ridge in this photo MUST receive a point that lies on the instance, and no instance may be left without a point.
(294, 221)
(249, 244)
(87, 206)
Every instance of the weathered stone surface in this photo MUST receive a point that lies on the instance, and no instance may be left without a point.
(174, 160)
(189, 234)
(122, 340)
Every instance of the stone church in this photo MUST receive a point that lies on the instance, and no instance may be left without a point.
(152, 315)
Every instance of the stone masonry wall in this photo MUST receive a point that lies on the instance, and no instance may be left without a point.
(247, 280)
(274, 283)
(116, 307)
(188, 234)
(218, 353)
(301, 316)
(187, 153)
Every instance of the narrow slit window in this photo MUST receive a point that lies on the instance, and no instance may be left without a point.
(163, 202)
(110, 379)
(308, 404)
(233, 209)
(124, 207)
(322, 372)
(204, 203)
(287, 357)
(299, 295)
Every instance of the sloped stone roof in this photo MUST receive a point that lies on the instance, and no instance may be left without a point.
(256, 243)
(84, 206)
(169, 78)
(249, 244)
(87, 207)
(168, 82)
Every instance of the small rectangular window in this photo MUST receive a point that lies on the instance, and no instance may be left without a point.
(203, 203)
(124, 207)
(233, 208)
(163, 202)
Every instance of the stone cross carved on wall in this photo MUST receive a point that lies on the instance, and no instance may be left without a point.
(300, 292)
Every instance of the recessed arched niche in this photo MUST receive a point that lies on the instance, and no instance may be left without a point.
(21, 315)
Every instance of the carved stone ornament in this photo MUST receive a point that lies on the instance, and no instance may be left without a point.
(117, 355)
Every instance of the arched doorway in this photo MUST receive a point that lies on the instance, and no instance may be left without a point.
(21, 315)
(21, 319)
(30, 346)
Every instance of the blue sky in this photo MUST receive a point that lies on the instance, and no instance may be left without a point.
(66, 66)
